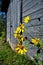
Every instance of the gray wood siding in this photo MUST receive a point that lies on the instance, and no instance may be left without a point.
(14, 19)
(33, 8)
(8, 24)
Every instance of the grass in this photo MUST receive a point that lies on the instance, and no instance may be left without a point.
(9, 57)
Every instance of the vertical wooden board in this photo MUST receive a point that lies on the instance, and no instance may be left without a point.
(12, 21)
(15, 8)
(8, 24)
(18, 12)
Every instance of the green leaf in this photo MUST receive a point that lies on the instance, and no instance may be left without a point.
(27, 44)
(38, 55)
(41, 43)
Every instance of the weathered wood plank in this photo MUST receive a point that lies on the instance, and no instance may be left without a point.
(26, 2)
(8, 25)
(33, 9)
(30, 4)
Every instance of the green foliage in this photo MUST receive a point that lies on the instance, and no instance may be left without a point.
(41, 43)
(2, 37)
(27, 44)
(1, 24)
(9, 57)
(2, 28)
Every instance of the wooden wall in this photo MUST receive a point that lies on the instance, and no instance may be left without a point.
(33, 8)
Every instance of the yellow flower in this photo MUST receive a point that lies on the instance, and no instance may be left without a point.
(21, 28)
(16, 32)
(18, 29)
(35, 41)
(20, 37)
(20, 49)
(26, 19)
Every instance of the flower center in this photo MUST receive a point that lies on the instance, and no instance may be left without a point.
(21, 27)
(21, 47)
(37, 40)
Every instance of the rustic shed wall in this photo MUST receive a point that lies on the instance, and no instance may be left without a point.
(33, 8)
(12, 19)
